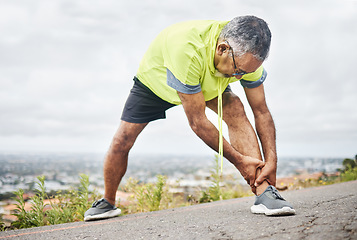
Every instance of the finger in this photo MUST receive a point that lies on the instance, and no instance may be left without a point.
(260, 179)
(257, 182)
(250, 181)
(261, 164)
(253, 177)
(254, 189)
(257, 176)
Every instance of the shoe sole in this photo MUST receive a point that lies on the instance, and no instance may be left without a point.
(108, 214)
(261, 209)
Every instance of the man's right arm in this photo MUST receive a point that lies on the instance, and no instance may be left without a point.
(194, 106)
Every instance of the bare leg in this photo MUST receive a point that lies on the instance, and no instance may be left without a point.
(241, 133)
(116, 160)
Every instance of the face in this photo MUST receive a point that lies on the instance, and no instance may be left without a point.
(228, 67)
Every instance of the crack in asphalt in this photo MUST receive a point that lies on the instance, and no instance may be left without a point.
(334, 200)
(311, 223)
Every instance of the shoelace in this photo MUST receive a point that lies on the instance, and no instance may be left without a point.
(277, 194)
(96, 203)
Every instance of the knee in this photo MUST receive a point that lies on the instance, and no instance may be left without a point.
(121, 144)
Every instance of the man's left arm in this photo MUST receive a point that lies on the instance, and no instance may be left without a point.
(265, 128)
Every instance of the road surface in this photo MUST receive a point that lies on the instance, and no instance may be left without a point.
(327, 212)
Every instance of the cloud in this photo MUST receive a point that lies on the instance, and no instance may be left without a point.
(67, 66)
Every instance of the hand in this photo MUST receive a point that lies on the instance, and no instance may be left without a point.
(268, 173)
(248, 169)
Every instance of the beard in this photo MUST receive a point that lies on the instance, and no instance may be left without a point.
(221, 75)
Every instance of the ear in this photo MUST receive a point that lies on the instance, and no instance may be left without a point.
(222, 47)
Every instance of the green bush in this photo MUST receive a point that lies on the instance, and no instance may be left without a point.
(214, 192)
(2, 226)
(349, 164)
(65, 207)
(71, 206)
(221, 189)
(148, 197)
(349, 175)
(34, 217)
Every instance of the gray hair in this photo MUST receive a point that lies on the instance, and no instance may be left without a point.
(248, 34)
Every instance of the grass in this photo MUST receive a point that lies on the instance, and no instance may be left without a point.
(62, 208)
(220, 188)
(148, 197)
(70, 206)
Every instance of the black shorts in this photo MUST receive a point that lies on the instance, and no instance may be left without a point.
(143, 106)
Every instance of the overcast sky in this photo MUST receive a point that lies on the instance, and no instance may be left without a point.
(66, 68)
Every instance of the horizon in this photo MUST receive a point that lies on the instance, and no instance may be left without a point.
(153, 155)
(66, 71)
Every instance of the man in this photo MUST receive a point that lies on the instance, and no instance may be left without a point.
(192, 63)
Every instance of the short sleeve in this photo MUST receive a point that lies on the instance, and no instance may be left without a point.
(254, 81)
(176, 84)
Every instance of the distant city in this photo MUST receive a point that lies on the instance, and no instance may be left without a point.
(186, 175)
(62, 170)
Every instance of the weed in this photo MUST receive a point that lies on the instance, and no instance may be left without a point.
(148, 197)
(221, 189)
(34, 217)
(38, 207)
(71, 206)
(349, 175)
(65, 207)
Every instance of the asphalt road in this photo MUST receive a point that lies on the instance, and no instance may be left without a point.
(328, 212)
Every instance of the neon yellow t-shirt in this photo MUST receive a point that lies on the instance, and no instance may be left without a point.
(187, 49)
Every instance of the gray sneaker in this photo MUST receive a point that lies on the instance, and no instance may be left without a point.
(101, 209)
(271, 203)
